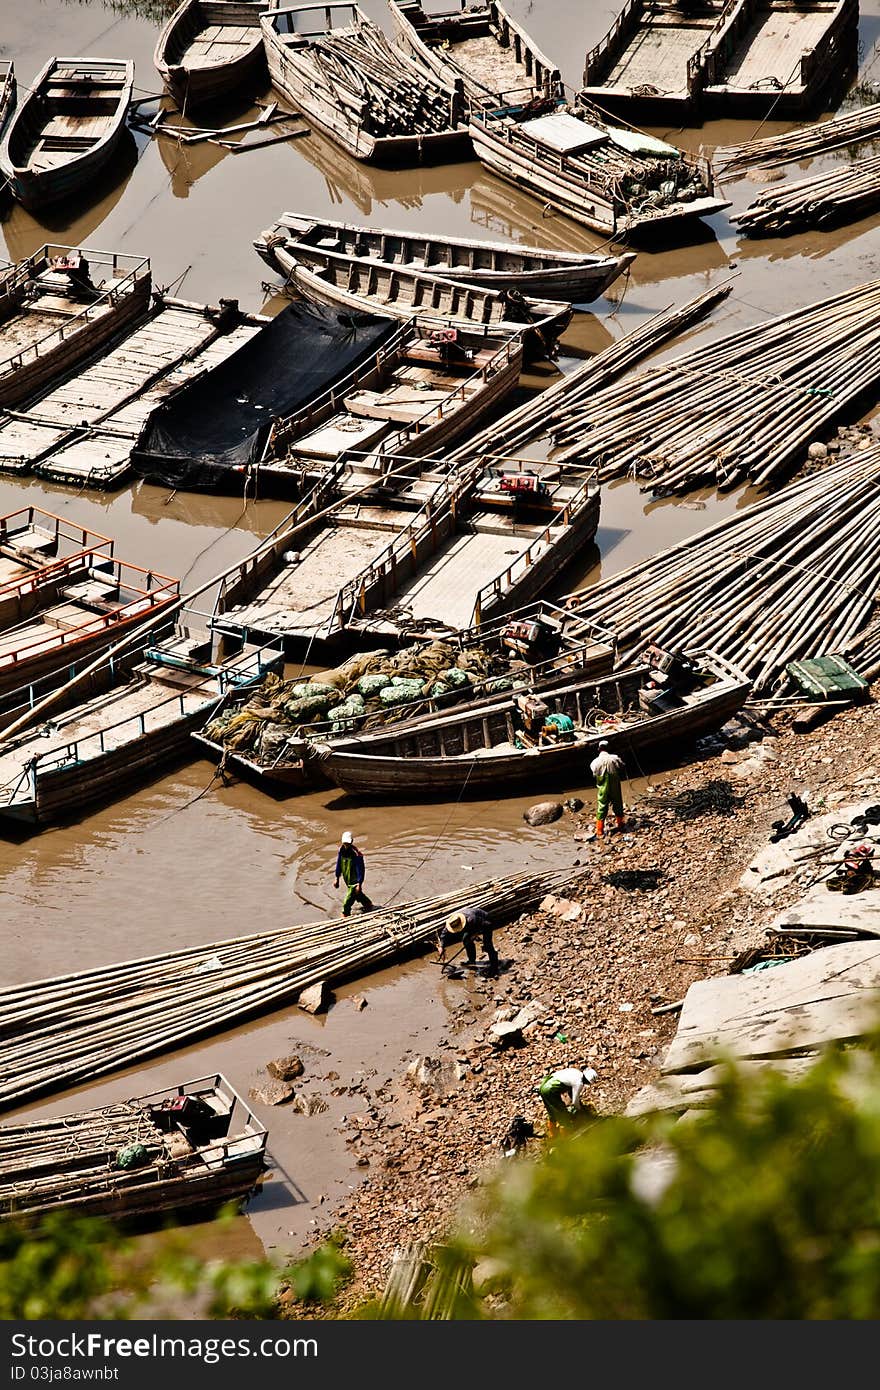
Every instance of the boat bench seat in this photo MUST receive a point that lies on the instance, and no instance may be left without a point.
(66, 142)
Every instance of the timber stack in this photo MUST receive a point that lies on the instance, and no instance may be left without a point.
(842, 194)
(853, 128)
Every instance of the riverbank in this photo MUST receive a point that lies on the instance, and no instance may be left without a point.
(649, 912)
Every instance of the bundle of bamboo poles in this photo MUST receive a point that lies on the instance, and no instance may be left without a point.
(743, 407)
(71, 1028)
(842, 194)
(850, 129)
(373, 84)
(796, 575)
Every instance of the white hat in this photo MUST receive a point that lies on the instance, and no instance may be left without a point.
(604, 743)
(589, 1075)
(347, 837)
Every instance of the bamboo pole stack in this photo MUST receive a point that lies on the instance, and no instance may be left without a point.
(821, 138)
(71, 1028)
(842, 194)
(372, 83)
(794, 576)
(744, 407)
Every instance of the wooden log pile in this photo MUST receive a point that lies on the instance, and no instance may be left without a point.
(852, 128)
(796, 575)
(61, 1031)
(373, 84)
(744, 407)
(842, 194)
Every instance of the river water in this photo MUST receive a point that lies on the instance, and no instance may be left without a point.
(186, 861)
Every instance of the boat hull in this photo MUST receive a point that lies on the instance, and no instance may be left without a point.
(193, 84)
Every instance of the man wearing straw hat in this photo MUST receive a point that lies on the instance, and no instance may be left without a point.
(469, 923)
(350, 867)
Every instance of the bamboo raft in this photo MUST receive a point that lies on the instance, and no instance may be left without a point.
(842, 194)
(194, 1156)
(793, 576)
(210, 49)
(336, 67)
(616, 181)
(58, 307)
(743, 407)
(479, 46)
(62, 1031)
(67, 129)
(576, 277)
(851, 129)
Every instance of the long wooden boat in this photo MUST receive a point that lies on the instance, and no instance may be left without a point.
(8, 91)
(533, 649)
(493, 750)
(363, 285)
(58, 306)
(211, 49)
(132, 722)
(617, 181)
(576, 277)
(67, 129)
(340, 71)
(189, 1147)
(72, 609)
(492, 55)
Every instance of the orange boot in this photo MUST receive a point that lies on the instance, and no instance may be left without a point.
(600, 829)
(620, 821)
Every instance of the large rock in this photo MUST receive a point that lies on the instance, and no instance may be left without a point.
(512, 1032)
(309, 1105)
(543, 813)
(435, 1076)
(273, 1093)
(316, 998)
(285, 1068)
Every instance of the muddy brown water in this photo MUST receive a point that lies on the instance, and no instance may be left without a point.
(186, 861)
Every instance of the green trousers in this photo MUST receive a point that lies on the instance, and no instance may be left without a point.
(610, 794)
(354, 895)
(551, 1093)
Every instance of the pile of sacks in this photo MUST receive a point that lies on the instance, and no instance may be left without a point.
(364, 692)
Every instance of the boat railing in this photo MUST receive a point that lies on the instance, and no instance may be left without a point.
(246, 1133)
(602, 54)
(492, 593)
(80, 542)
(128, 272)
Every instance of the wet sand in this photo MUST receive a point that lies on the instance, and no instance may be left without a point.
(186, 860)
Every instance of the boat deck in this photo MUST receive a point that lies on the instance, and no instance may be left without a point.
(657, 56)
(772, 46)
(484, 60)
(219, 44)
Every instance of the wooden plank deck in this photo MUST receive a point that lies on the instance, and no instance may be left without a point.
(772, 48)
(444, 590)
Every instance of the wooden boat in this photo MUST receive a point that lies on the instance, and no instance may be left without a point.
(58, 306)
(530, 270)
(533, 649)
(8, 91)
(211, 49)
(72, 609)
(192, 1146)
(492, 750)
(67, 129)
(336, 66)
(778, 55)
(619, 182)
(480, 45)
(34, 542)
(358, 283)
(413, 399)
(121, 724)
(650, 63)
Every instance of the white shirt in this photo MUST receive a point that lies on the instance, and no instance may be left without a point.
(574, 1080)
(605, 764)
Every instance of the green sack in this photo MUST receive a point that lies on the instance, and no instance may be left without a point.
(455, 677)
(132, 1156)
(369, 686)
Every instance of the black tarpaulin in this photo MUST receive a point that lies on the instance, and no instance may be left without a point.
(220, 421)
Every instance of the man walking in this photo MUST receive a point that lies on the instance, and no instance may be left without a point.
(350, 867)
(468, 924)
(607, 769)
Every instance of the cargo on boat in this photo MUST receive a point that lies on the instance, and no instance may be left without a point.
(67, 129)
(578, 277)
(262, 735)
(524, 740)
(187, 1147)
(337, 67)
(369, 287)
(212, 49)
(478, 45)
(115, 726)
(58, 307)
(617, 181)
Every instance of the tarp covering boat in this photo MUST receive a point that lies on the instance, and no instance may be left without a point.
(208, 432)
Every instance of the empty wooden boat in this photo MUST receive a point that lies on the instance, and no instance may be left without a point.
(480, 45)
(534, 649)
(617, 181)
(58, 307)
(650, 63)
(123, 723)
(211, 49)
(34, 542)
(779, 56)
(340, 71)
(530, 270)
(511, 745)
(67, 129)
(189, 1147)
(352, 282)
